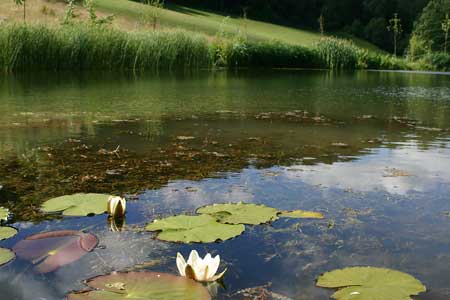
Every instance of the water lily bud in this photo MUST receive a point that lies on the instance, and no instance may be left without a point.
(116, 206)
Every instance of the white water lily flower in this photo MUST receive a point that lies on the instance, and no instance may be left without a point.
(116, 206)
(203, 270)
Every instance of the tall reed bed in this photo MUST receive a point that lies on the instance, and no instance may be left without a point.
(337, 54)
(86, 47)
(95, 47)
(376, 61)
(271, 55)
(329, 53)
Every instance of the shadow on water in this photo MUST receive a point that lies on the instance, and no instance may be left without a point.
(369, 150)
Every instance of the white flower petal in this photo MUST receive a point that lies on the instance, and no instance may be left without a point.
(193, 256)
(197, 264)
(124, 204)
(207, 257)
(181, 264)
(109, 205)
(218, 277)
(213, 266)
(206, 265)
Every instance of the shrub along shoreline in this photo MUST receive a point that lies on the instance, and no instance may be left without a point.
(95, 47)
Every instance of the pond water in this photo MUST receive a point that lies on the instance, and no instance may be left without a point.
(370, 150)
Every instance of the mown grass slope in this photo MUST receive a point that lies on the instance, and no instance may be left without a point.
(128, 14)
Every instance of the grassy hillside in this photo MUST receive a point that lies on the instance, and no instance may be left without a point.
(128, 14)
(211, 23)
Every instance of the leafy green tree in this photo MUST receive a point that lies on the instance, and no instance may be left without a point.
(24, 4)
(375, 31)
(446, 28)
(428, 29)
(395, 26)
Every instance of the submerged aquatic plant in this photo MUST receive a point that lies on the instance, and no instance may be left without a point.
(203, 270)
(116, 207)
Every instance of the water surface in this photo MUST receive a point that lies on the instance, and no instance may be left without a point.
(368, 149)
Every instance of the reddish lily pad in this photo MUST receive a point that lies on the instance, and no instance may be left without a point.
(142, 285)
(51, 250)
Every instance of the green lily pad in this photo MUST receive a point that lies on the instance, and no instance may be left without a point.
(77, 204)
(7, 232)
(240, 213)
(367, 283)
(194, 229)
(4, 213)
(301, 214)
(6, 256)
(142, 285)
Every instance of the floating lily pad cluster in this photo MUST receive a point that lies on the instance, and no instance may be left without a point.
(214, 222)
(6, 255)
(368, 283)
(218, 222)
(142, 285)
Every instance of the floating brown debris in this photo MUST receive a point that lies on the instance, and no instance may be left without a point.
(396, 173)
(257, 293)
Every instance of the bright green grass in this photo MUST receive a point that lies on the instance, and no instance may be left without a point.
(210, 23)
